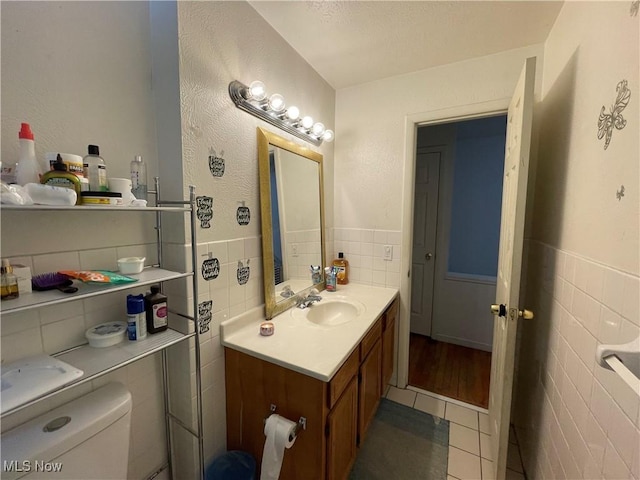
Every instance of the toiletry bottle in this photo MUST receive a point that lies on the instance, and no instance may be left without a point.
(95, 170)
(28, 169)
(9, 282)
(330, 279)
(139, 178)
(136, 319)
(60, 177)
(342, 267)
(155, 305)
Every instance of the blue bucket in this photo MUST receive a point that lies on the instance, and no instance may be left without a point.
(233, 465)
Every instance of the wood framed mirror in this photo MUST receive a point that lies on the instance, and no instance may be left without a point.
(292, 211)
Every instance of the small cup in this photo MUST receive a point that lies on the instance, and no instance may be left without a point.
(122, 186)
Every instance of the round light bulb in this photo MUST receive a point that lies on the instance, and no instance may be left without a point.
(328, 136)
(293, 113)
(257, 90)
(276, 102)
(318, 129)
(307, 122)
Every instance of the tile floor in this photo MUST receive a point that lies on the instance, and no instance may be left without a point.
(469, 451)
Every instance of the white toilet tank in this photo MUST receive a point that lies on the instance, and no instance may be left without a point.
(87, 438)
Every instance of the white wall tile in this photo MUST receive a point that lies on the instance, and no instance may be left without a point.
(631, 299)
(21, 344)
(20, 321)
(53, 262)
(54, 313)
(614, 467)
(63, 334)
(613, 289)
(100, 259)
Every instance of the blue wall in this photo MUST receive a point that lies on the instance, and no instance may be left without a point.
(477, 196)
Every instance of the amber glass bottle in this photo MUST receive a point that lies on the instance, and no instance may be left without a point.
(342, 268)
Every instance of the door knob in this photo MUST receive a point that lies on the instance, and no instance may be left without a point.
(526, 314)
(499, 310)
(428, 256)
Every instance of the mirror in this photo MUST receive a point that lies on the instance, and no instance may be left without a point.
(292, 209)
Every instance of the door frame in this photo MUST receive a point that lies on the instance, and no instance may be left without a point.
(412, 122)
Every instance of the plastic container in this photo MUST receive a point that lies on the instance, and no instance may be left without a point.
(101, 199)
(131, 265)
(106, 334)
(233, 465)
(139, 178)
(73, 162)
(155, 306)
(136, 320)
(50, 195)
(60, 177)
(95, 169)
(28, 169)
(342, 269)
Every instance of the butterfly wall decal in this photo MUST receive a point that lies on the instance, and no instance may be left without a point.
(607, 121)
(635, 6)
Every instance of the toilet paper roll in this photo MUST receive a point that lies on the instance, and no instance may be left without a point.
(278, 431)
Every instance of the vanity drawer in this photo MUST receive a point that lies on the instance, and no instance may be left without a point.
(343, 376)
(370, 339)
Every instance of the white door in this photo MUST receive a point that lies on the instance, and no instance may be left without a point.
(425, 218)
(507, 308)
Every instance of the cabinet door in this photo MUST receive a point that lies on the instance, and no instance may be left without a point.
(388, 345)
(388, 341)
(369, 388)
(342, 428)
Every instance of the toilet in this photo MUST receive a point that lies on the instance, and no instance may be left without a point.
(87, 438)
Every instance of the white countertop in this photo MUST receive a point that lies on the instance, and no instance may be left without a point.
(297, 344)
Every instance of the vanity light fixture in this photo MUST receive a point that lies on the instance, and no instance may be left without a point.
(253, 99)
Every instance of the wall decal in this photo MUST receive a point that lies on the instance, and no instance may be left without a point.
(204, 211)
(243, 215)
(243, 272)
(216, 163)
(635, 6)
(210, 268)
(204, 315)
(620, 193)
(606, 121)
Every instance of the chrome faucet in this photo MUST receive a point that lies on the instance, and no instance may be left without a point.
(306, 301)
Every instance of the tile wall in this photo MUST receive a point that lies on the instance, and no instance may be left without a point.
(364, 249)
(574, 418)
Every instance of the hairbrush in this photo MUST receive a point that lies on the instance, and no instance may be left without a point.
(51, 281)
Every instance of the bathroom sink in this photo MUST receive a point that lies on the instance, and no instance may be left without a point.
(330, 312)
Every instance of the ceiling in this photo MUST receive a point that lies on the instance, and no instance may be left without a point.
(351, 42)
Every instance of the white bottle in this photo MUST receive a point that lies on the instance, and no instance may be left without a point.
(28, 169)
(95, 170)
(139, 178)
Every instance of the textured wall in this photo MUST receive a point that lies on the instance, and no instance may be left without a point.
(575, 419)
(371, 121)
(220, 42)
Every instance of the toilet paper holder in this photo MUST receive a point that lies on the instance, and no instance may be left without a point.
(302, 422)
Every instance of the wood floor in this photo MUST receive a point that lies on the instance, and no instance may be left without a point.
(456, 372)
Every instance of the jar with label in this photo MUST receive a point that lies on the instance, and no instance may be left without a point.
(60, 177)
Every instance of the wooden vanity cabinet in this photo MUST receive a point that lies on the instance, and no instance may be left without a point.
(338, 412)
